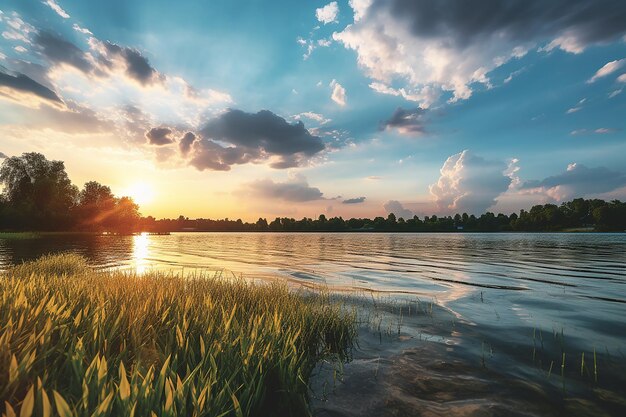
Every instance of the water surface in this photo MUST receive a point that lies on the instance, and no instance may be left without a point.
(458, 324)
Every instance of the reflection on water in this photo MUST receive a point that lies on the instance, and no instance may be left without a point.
(141, 250)
(507, 303)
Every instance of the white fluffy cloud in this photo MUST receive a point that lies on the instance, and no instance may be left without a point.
(607, 69)
(316, 117)
(451, 45)
(469, 183)
(58, 9)
(359, 7)
(339, 93)
(328, 13)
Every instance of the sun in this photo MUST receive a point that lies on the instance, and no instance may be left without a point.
(140, 192)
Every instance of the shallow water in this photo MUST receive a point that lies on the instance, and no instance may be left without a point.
(457, 324)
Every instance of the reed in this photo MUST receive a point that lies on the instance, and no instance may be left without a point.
(77, 342)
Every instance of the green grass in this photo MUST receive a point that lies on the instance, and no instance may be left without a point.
(75, 342)
(19, 235)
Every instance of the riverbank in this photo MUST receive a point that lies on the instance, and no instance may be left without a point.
(111, 343)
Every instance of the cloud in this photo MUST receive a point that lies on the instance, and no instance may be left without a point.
(296, 189)
(73, 119)
(604, 130)
(26, 91)
(59, 51)
(357, 200)
(622, 78)
(512, 171)
(339, 93)
(407, 122)
(470, 183)
(316, 117)
(159, 136)
(108, 57)
(3, 155)
(607, 69)
(328, 13)
(237, 137)
(578, 107)
(426, 96)
(598, 131)
(577, 181)
(359, 7)
(395, 207)
(615, 93)
(54, 6)
(185, 143)
(573, 110)
(513, 75)
(82, 30)
(137, 66)
(451, 45)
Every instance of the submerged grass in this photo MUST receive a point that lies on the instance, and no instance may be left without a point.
(74, 342)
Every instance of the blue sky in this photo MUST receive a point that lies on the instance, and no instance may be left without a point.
(419, 107)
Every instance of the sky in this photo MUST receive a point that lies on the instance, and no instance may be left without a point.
(247, 109)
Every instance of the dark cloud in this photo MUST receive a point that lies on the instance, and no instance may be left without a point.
(295, 190)
(356, 200)
(409, 122)
(32, 70)
(159, 136)
(210, 155)
(137, 66)
(263, 130)
(25, 84)
(465, 22)
(57, 50)
(577, 181)
(237, 137)
(186, 142)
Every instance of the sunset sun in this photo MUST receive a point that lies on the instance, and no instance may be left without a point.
(141, 192)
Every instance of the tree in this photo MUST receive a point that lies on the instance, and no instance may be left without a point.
(261, 225)
(38, 191)
(125, 216)
(96, 204)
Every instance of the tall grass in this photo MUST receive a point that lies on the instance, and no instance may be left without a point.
(74, 342)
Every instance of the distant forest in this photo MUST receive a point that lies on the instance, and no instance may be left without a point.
(38, 196)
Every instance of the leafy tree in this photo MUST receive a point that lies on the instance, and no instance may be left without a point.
(37, 192)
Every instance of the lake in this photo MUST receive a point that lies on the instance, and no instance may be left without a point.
(452, 324)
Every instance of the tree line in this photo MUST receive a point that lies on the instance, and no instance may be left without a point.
(38, 195)
(578, 214)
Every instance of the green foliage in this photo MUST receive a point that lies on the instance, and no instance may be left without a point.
(75, 342)
(36, 191)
